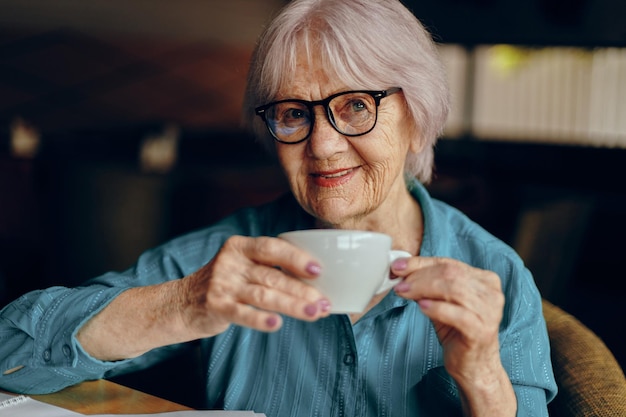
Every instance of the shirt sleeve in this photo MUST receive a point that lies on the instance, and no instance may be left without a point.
(37, 335)
(38, 330)
(525, 346)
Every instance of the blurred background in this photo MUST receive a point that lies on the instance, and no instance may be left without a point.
(119, 129)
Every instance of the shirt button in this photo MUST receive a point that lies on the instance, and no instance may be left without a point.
(67, 351)
(348, 359)
(47, 355)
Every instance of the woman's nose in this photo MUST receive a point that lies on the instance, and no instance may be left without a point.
(324, 140)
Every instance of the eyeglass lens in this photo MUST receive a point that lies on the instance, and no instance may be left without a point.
(351, 113)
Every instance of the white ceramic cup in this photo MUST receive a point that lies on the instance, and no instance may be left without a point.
(355, 264)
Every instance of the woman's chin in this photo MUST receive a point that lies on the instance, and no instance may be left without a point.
(337, 215)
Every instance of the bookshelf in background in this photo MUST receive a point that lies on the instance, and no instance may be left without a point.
(550, 94)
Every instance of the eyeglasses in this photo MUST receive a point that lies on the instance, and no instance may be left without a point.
(351, 113)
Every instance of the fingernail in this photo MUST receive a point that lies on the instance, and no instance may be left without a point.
(271, 321)
(425, 304)
(402, 287)
(400, 264)
(324, 305)
(313, 268)
(310, 310)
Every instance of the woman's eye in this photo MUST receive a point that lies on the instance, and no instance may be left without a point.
(357, 106)
(294, 114)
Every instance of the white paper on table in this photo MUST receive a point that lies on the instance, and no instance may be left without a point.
(191, 413)
(24, 406)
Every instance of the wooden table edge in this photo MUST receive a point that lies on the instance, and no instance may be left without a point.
(106, 397)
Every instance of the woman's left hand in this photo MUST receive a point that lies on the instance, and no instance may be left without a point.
(465, 305)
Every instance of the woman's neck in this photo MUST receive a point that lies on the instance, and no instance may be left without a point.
(400, 217)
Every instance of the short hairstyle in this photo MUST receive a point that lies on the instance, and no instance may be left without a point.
(368, 44)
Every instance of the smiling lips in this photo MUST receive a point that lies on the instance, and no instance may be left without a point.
(333, 178)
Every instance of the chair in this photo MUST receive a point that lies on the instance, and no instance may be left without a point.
(590, 380)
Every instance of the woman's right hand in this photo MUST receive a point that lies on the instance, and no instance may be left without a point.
(250, 282)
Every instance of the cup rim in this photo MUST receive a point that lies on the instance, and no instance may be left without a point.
(332, 232)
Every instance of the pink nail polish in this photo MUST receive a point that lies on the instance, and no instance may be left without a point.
(400, 264)
(402, 287)
(313, 268)
(324, 305)
(271, 321)
(310, 310)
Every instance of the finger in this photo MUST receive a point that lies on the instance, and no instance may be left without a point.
(473, 327)
(240, 279)
(265, 288)
(270, 299)
(248, 316)
(276, 252)
(233, 271)
(403, 266)
(451, 281)
(278, 280)
(452, 315)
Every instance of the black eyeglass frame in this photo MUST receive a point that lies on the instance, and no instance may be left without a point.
(377, 95)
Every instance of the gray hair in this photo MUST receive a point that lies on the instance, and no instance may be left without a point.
(368, 44)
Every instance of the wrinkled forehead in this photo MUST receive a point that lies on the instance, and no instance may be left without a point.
(307, 65)
(315, 60)
(309, 73)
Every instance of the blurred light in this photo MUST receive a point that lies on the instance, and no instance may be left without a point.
(158, 153)
(25, 139)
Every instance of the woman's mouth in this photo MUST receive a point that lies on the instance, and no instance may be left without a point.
(333, 178)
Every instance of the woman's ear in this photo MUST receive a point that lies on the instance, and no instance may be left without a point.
(417, 142)
(416, 145)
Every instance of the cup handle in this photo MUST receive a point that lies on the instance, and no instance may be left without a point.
(388, 282)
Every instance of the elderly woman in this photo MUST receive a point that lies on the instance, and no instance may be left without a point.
(350, 96)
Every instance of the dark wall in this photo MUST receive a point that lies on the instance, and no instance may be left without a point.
(541, 22)
(84, 206)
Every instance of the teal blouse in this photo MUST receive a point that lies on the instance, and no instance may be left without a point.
(389, 363)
